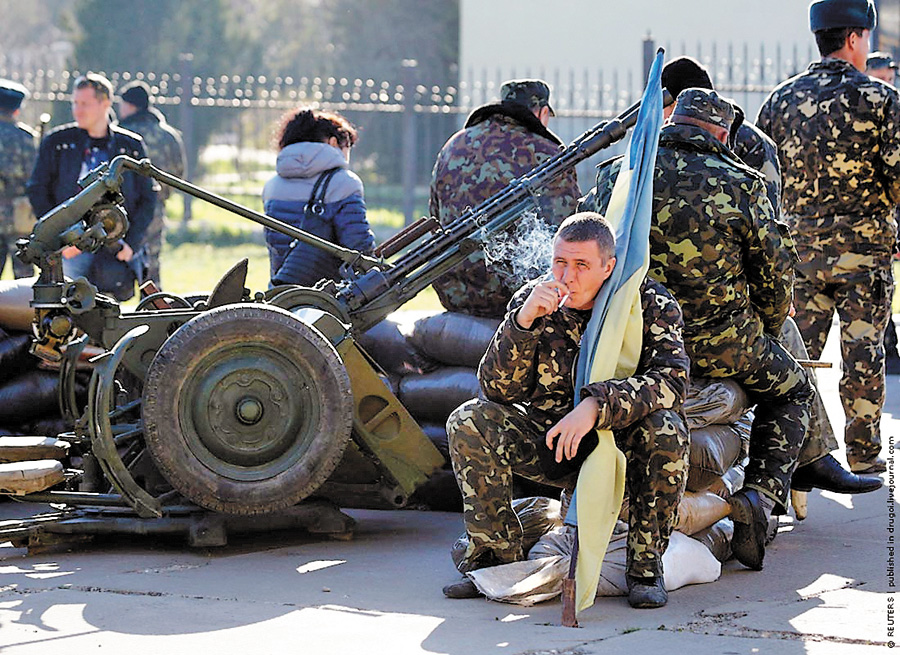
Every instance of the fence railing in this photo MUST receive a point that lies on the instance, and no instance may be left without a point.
(404, 123)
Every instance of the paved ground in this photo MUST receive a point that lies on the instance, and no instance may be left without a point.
(826, 588)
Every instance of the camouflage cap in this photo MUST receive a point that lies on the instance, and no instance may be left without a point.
(831, 14)
(530, 93)
(11, 95)
(705, 105)
(878, 60)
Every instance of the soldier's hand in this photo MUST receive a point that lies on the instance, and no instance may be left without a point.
(569, 432)
(70, 251)
(543, 300)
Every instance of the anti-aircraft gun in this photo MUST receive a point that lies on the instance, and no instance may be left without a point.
(237, 404)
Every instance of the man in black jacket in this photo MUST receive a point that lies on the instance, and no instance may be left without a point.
(71, 151)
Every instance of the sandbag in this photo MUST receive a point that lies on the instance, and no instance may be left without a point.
(453, 338)
(717, 538)
(437, 435)
(15, 311)
(538, 515)
(729, 483)
(714, 449)
(432, 396)
(712, 402)
(699, 510)
(540, 577)
(29, 396)
(386, 342)
(15, 357)
(49, 426)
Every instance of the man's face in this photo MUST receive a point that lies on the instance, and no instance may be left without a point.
(859, 49)
(127, 109)
(89, 110)
(580, 266)
(884, 74)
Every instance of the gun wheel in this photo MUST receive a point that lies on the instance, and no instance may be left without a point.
(247, 409)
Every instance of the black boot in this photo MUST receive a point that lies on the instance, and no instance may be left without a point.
(827, 473)
(463, 588)
(646, 593)
(750, 526)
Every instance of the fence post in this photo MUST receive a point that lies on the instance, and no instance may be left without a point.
(649, 55)
(408, 140)
(186, 116)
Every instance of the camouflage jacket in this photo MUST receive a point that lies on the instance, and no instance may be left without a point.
(715, 244)
(536, 367)
(839, 146)
(474, 164)
(162, 143)
(758, 151)
(17, 154)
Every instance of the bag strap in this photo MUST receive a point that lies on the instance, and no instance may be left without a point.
(316, 203)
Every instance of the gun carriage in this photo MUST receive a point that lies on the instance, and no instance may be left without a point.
(205, 412)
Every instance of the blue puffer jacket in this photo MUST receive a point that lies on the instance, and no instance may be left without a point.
(343, 220)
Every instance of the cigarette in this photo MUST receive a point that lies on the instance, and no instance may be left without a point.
(562, 301)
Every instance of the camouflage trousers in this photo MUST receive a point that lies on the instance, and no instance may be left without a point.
(859, 288)
(820, 439)
(783, 395)
(489, 442)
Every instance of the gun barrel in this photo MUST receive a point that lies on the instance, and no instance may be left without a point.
(372, 297)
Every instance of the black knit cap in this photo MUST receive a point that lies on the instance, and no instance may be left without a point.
(831, 14)
(136, 93)
(685, 73)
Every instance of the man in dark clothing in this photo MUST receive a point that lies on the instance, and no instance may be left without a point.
(166, 150)
(499, 143)
(71, 151)
(16, 160)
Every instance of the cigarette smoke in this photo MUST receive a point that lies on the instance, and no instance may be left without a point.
(522, 253)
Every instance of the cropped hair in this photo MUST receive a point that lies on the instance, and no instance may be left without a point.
(589, 226)
(317, 126)
(833, 39)
(102, 87)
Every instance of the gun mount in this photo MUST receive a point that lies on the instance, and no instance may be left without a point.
(240, 404)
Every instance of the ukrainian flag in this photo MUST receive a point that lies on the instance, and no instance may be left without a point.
(616, 326)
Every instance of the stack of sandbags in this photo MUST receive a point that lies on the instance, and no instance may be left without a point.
(431, 361)
(29, 402)
(719, 420)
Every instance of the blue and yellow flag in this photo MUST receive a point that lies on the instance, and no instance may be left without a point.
(611, 346)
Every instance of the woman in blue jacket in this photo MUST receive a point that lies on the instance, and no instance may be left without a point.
(315, 191)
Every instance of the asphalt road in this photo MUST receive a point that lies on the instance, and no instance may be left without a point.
(826, 588)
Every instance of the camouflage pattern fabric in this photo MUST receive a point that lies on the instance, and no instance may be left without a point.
(474, 164)
(717, 247)
(165, 149)
(17, 154)
(705, 105)
(820, 439)
(526, 377)
(838, 144)
(758, 151)
(839, 149)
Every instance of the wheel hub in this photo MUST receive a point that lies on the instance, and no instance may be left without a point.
(247, 409)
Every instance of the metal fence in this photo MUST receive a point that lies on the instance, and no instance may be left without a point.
(404, 123)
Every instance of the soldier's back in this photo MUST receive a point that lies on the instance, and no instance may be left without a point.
(836, 131)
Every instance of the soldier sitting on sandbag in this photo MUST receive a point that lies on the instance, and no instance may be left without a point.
(527, 379)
